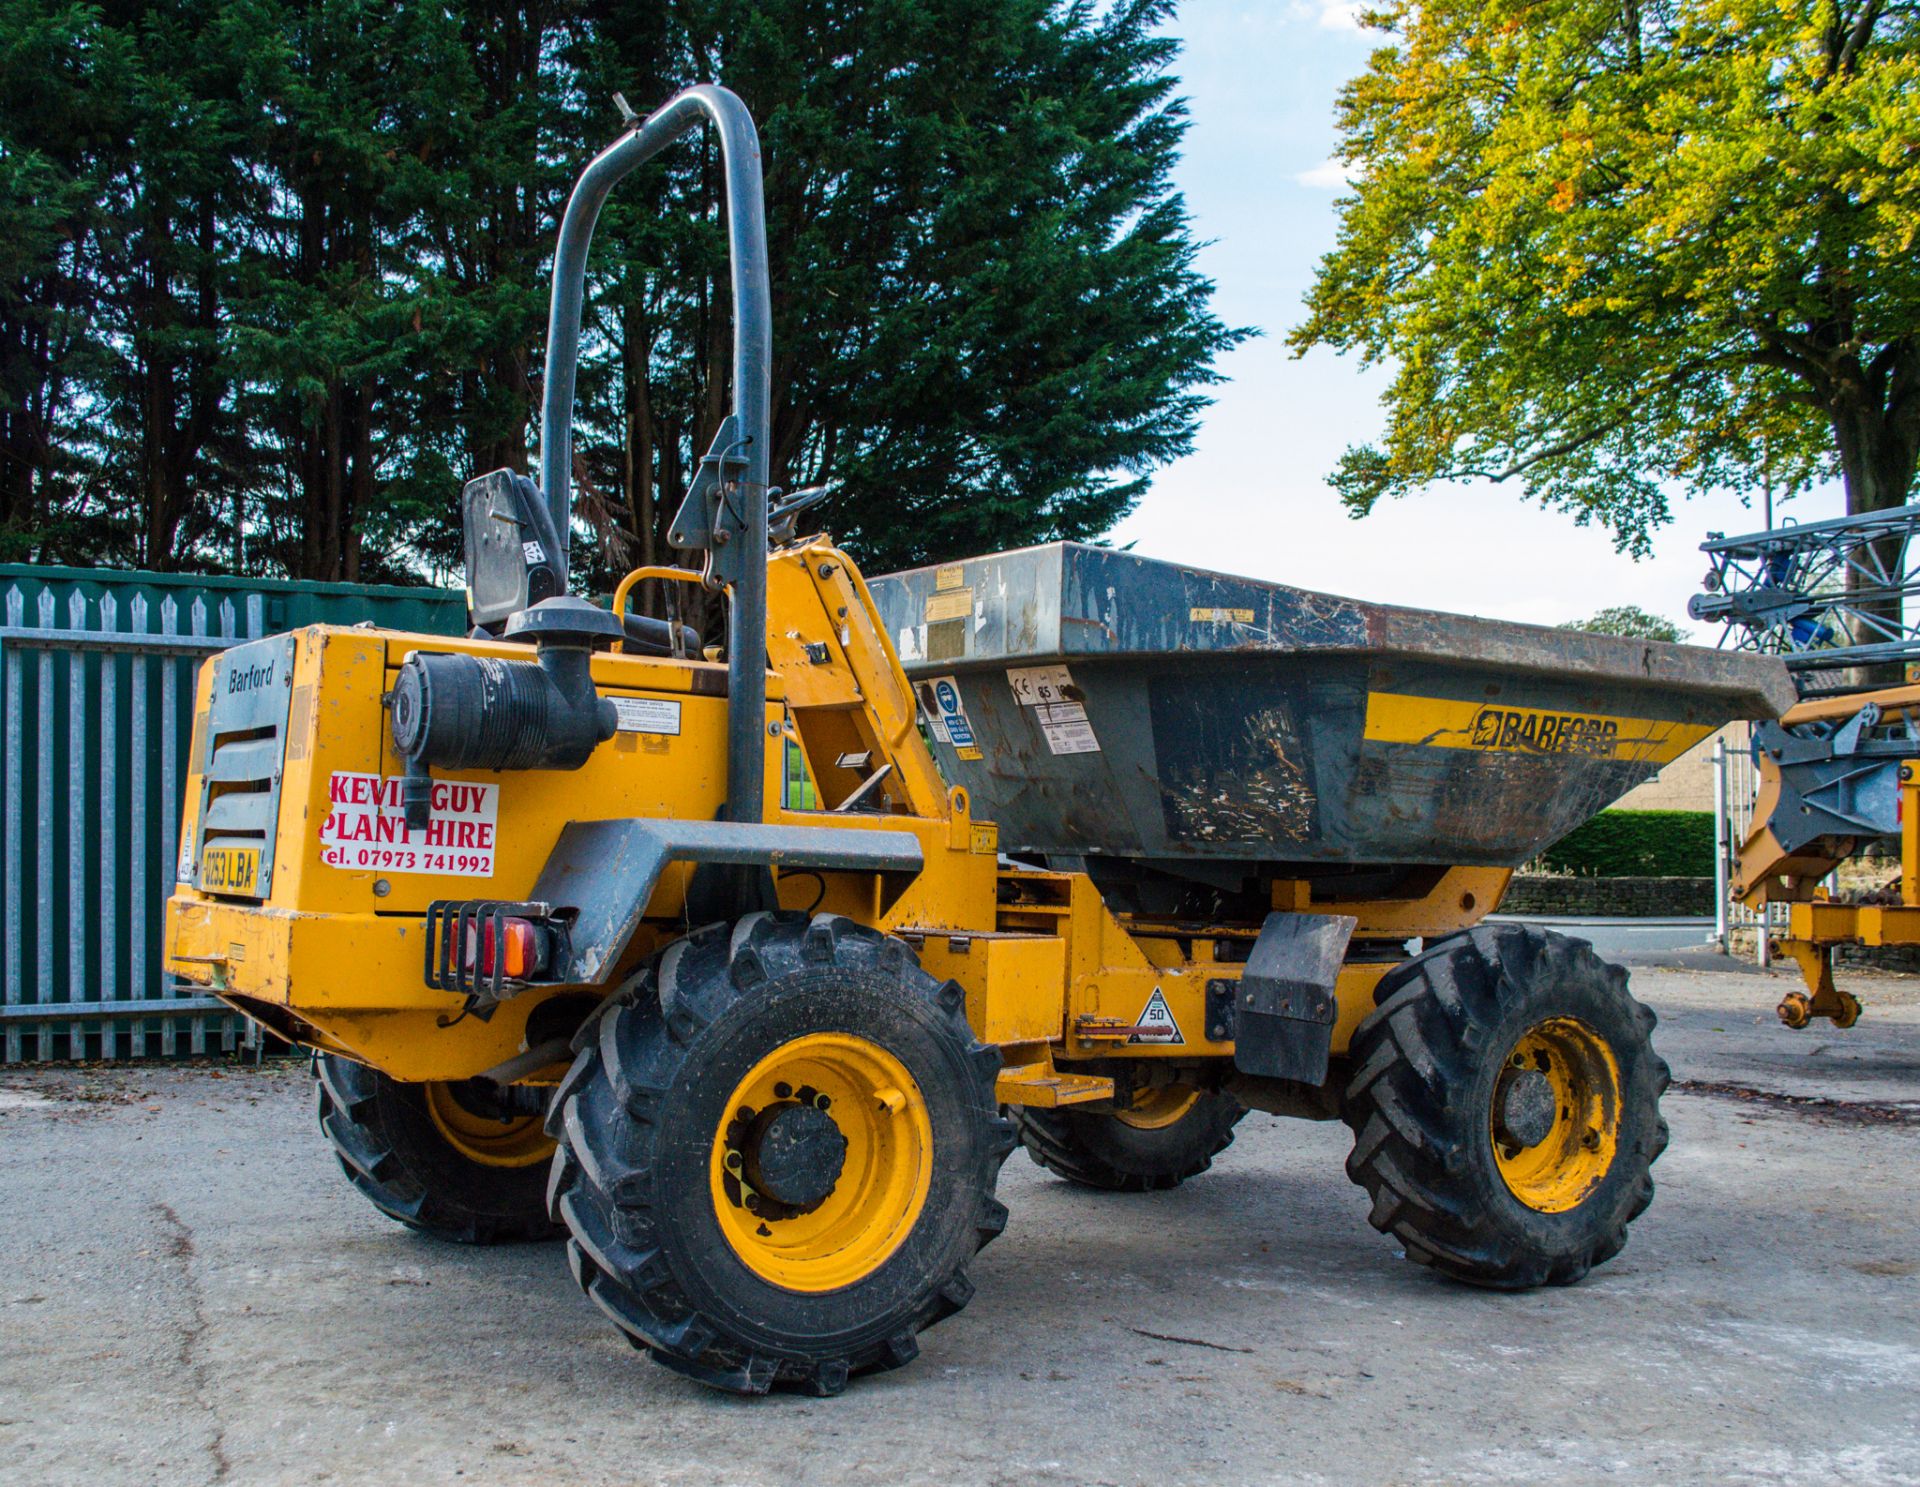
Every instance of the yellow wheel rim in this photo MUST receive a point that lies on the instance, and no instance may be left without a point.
(519, 1142)
(880, 1186)
(1555, 1114)
(1156, 1109)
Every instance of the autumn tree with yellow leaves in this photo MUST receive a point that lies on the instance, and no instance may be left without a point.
(1615, 248)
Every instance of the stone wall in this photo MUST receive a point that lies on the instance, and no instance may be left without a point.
(1902, 958)
(1640, 898)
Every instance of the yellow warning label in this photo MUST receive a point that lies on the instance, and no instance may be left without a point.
(1443, 723)
(1220, 616)
(950, 577)
(955, 604)
(986, 838)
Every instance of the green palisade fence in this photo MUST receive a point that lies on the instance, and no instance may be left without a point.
(96, 700)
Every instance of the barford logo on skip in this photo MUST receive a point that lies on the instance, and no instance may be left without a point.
(249, 678)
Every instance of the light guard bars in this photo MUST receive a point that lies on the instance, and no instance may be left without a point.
(725, 514)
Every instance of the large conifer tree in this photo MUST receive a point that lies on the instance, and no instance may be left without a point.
(283, 289)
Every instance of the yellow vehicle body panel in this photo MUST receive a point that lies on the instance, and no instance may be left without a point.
(334, 955)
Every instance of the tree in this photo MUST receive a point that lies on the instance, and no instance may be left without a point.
(274, 284)
(1629, 620)
(63, 77)
(1614, 246)
(378, 348)
(169, 440)
(988, 324)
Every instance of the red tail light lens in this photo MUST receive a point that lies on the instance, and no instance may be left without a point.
(522, 948)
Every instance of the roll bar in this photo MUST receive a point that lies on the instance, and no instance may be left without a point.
(725, 513)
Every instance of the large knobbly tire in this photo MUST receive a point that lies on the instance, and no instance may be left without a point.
(393, 1150)
(677, 1092)
(1496, 1030)
(1157, 1146)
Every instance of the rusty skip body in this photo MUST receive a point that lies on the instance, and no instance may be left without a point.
(1102, 704)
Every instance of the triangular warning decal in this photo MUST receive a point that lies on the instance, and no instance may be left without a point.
(1155, 1023)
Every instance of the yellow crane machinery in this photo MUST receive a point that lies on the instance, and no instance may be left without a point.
(1099, 854)
(1835, 775)
(1840, 771)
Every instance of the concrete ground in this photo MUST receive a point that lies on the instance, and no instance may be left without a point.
(193, 1294)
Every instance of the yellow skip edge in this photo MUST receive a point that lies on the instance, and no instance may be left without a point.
(1494, 727)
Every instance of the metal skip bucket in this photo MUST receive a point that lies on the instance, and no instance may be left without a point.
(1096, 703)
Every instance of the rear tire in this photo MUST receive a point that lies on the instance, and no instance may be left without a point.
(1143, 1153)
(1505, 1106)
(393, 1143)
(778, 1149)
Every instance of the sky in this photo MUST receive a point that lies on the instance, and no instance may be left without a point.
(1260, 79)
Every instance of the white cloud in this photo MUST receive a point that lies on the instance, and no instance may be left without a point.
(1331, 174)
(1330, 15)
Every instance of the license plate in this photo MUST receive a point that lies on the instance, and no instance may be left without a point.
(230, 870)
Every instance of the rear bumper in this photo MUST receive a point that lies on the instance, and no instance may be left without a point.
(306, 962)
(342, 983)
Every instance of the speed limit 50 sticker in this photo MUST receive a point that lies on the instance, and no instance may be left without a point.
(365, 827)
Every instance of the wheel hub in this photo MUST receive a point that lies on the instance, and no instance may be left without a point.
(1554, 1118)
(795, 1155)
(822, 1161)
(483, 1127)
(1526, 1108)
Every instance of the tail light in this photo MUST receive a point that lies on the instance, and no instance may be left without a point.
(508, 947)
(481, 948)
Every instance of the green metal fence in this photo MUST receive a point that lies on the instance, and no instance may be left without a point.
(96, 697)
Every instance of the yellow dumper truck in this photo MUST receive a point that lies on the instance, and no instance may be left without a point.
(1099, 854)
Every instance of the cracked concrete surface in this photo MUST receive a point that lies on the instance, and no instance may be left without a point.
(193, 1294)
(190, 1359)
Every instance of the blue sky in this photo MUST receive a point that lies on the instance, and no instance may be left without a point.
(1260, 80)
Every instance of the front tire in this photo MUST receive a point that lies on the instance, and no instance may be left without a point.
(778, 1149)
(1506, 1107)
(1173, 1132)
(431, 1157)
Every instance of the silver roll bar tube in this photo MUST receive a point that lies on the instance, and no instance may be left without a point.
(752, 390)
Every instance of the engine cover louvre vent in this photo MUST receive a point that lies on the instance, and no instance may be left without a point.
(243, 740)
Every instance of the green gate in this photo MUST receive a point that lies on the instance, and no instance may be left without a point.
(96, 700)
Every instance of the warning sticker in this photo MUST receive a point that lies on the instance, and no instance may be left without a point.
(1033, 685)
(365, 828)
(947, 716)
(646, 714)
(1066, 727)
(1155, 1023)
(1220, 616)
(1050, 692)
(952, 604)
